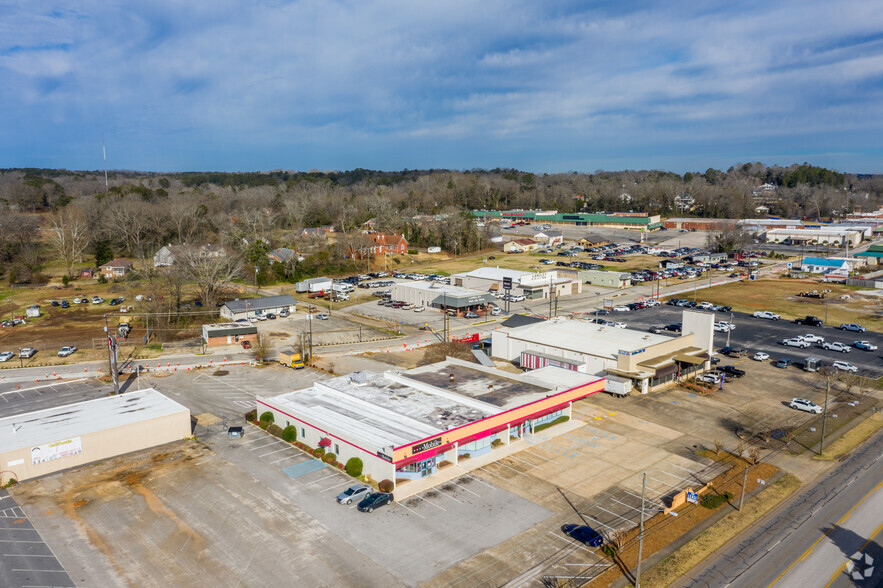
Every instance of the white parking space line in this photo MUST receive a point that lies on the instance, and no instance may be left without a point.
(223, 382)
(253, 440)
(675, 476)
(627, 505)
(430, 502)
(465, 488)
(629, 521)
(286, 457)
(323, 478)
(479, 480)
(491, 473)
(406, 508)
(533, 465)
(600, 523)
(449, 496)
(272, 452)
(262, 446)
(692, 472)
(344, 483)
(569, 542)
(507, 467)
(537, 455)
(25, 555)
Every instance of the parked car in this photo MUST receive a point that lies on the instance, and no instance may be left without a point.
(783, 363)
(836, 346)
(27, 352)
(496, 310)
(845, 366)
(420, 308)
(68, 350)
(709, 377)
(54, 303)
(6, 356)
(357, 493)
(765, 314)
(271, 316)
(656, 329)
(795, 342)
(805, 405)
(97, 300)
(471, 315)
(583, 534)
(375, 500)
(322, 316)
(115, 301)
(621, 308)
(246, 344)
(852, 327)
(864, 345)
(732, 370)
(761, 356)
(65, 304)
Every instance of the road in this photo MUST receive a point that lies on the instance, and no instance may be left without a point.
(810, 540)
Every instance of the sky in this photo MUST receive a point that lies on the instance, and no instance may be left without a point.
(547, 87)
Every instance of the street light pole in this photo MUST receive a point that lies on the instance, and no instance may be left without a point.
(825, 413)
(641, 533)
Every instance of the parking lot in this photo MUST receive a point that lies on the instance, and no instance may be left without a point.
(25, 559)
(765, 335)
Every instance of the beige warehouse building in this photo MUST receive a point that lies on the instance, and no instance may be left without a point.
(47, 441)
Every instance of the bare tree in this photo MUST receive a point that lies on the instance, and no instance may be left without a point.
(730, 238)
(209, 273)
(262, 347)
(69, 235)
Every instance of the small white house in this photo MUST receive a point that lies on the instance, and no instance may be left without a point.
(33, 311)
(434, 249)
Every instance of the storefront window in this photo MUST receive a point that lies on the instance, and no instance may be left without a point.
(418, 466)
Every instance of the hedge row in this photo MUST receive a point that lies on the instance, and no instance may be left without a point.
(558, 421)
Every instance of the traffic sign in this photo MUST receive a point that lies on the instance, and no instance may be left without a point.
(789, 265)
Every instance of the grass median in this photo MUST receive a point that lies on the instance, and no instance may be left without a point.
(852, 439)
(696, 550)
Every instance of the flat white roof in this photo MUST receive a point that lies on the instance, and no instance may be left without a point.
(585, 337)
(382, 411)
(440, 289)
(496, 273)
(82, 418)
(810, 231)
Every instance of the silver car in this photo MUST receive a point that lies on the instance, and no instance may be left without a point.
(352, 493)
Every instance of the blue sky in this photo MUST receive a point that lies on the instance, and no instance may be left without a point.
(541, 86)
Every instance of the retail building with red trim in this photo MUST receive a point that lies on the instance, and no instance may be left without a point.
(409, 424)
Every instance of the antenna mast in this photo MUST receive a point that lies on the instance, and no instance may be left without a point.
(104, 152)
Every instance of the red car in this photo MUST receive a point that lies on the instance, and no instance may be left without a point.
(246, 344)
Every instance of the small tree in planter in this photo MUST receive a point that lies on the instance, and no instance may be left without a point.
(354, 467)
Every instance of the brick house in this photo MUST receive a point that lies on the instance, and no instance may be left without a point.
(382, 243)
(116, 268)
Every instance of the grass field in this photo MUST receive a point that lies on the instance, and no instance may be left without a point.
(781, 296)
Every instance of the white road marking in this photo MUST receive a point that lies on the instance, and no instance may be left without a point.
(272, 452)
(479, 480)
(465, 488)
(344, 483)
(286, 457)
(406, 508)
(432, 503)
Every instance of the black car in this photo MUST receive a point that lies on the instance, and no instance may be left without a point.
(674, 327)
(55, 303)
(375, 500)
(732, 370)
(65, 304)
(583, 534)
(115, 302)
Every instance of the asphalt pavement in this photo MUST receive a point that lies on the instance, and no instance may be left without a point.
(826, 535)
(766, 335)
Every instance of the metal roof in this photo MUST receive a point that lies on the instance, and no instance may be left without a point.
(264, 303)
(585, 337)
(82, 418)
(222, 329)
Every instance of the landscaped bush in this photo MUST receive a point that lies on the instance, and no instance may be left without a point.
(329, 458)
(496, 442)
(275, 430)
(712, 501)
(289, 434)
(386, 486)
(558, 421)
(354, 467)
(251, 415)
(319, 452)
(264, 424)
(465, 456)
(267, 416)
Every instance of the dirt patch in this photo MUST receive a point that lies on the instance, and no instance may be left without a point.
(279, 334)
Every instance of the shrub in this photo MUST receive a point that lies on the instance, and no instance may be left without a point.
(251, 415)
(558, 421)
(386, 486)
(319, 452)
(329, 458)
(465, 456)
(712, 501)
(289, 434)
(267, 416)
(65, 280)
(354, 467)
(264, 424)
(275, 430)
(496, 442)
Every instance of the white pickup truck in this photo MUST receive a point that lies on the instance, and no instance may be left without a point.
(68, 350)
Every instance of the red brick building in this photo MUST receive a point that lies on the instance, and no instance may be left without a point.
(382, 243)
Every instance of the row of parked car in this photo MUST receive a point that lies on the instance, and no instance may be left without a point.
(28, 352)
(367, 499)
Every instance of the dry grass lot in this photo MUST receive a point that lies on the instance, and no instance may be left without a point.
(781, 296)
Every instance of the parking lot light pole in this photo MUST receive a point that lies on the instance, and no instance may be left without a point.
(825, 413)
(641, 533)
(21, 361)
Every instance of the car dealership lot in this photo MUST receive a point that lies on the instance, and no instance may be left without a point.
(765, 335)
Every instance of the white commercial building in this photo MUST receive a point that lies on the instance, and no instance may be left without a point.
(249, 307)
(46, 441)
(405, 425)
(440, 296)
(649, 360)
(534, 286)
(836, 237)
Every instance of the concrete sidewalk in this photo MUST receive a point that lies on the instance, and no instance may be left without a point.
(465, 466)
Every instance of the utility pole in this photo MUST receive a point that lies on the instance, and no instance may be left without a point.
(825, 412)
(112, 356)
(641, 533)
(744, 481)
(310, 319)
(730, 328)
